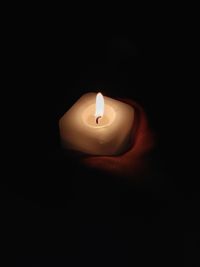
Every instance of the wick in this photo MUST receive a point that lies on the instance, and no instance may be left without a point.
(97, 119)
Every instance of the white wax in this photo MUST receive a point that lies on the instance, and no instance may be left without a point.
(79, 130)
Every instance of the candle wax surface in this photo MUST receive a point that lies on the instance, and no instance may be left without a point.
(110, 136)
(89, 117)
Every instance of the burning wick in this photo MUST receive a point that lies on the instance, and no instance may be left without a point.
(99, 107)
(97, 119)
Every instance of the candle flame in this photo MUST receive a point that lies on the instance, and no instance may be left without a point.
(99, 105)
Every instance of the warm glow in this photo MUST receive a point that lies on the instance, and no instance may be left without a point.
(99, 105)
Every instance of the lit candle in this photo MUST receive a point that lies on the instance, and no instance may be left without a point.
(97, 125)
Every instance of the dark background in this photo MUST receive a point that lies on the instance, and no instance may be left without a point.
(54, 211)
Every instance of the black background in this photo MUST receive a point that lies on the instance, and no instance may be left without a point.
(54, 211)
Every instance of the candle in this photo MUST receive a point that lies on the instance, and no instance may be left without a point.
(97, 125)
